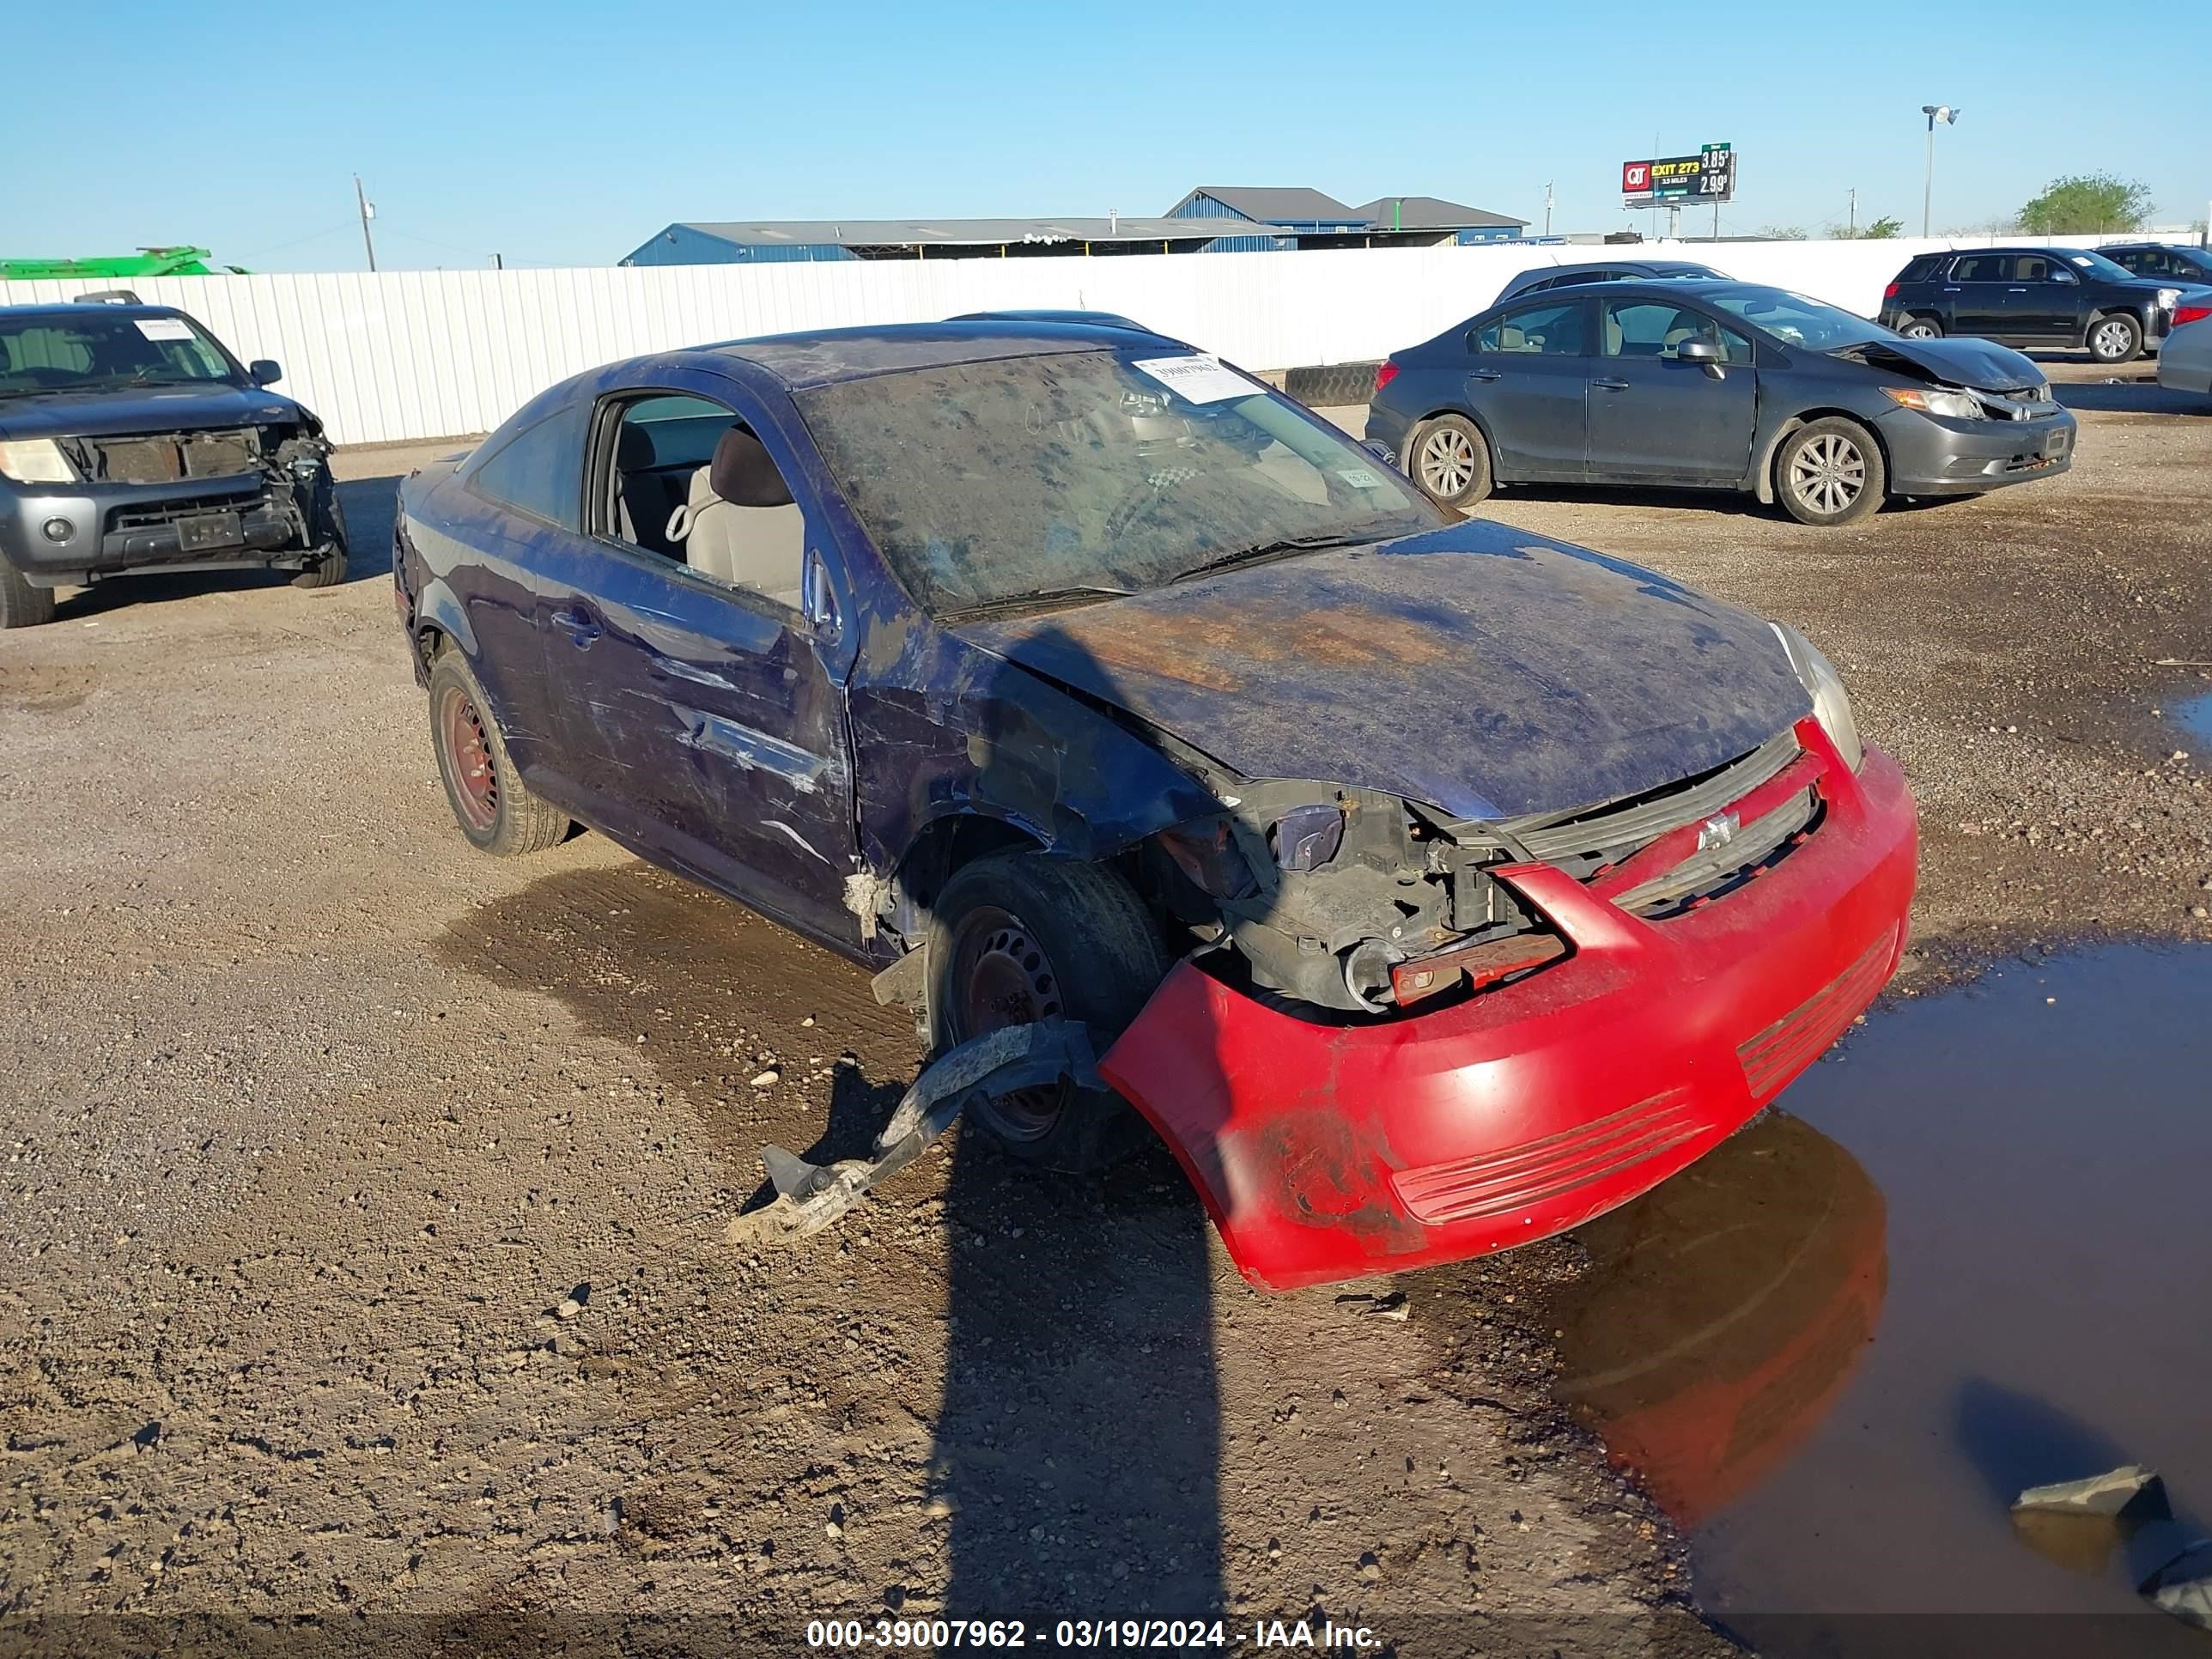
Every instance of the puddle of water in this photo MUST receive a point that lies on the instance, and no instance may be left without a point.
(1972, 1255)
(2195, 717)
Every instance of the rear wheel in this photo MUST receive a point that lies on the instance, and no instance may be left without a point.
(1019, 937)
(1829, 472)
(22, 604)
(1450, 460)
(2116, 339)
(496, 810)
(1921, 328)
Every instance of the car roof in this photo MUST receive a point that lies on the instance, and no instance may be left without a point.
(1667, 287)
(79, 307)
(824, 357)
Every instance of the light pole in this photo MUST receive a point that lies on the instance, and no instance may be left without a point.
(1948, 116)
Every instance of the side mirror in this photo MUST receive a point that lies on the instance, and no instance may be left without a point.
(817, 600)
(1379, 451)
(264, 371)
(2060, 274)
(1705, 354)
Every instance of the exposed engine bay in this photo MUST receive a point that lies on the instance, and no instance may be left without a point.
(291, 463)
(1361, 903)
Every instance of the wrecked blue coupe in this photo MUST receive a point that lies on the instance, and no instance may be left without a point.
(1037, 664)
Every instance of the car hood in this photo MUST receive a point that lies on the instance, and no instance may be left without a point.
(1480, 669)
(142, 409)
(1975, 363)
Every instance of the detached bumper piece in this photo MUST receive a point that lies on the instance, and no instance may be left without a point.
(1329, 1152)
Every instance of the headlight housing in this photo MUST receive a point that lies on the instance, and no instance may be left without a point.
(2168, 298)
(35, 460)
(1831, 704)
(1930, 400)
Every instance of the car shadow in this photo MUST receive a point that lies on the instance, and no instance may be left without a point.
(1713, 503)
(2125, 397)
(1079, 1441)
(370, 506)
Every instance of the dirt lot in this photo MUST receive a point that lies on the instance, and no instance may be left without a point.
(318, 1123)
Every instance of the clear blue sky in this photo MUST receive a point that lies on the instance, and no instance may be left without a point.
(557, 133)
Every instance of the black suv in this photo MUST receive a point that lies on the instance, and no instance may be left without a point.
(2024, 296)
(131, 440)
(2163, 262)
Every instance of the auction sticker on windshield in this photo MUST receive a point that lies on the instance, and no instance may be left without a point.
(164, 328)
(1199, 378)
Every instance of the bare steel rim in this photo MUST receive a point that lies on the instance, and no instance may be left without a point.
(1001, 977)
(468, 759)
(2113, 338)
(1447, 461)
(1829, 473)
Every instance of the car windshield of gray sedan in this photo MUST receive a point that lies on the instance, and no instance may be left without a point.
(101, 350)
(1797, 320)
(1042, 480)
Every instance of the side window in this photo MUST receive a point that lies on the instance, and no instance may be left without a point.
(1540, 287)
(683, 478)
(1982, 268)
(1552, 330)
(1921, 269)
(540, 470)
(2031, 268)
(1653, 328)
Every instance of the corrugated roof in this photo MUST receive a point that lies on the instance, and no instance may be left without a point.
(877, 233)
(1266, 203)
(1429, 213)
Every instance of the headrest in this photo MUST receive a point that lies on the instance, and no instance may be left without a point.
(741, 473)
(633, 448)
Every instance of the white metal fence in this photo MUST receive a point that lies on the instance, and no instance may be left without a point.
(421, 353)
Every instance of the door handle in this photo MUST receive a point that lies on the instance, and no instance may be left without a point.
(1950, 290)
(2016, 290)
(1611, 385)
(1486, 374)
(580, 626)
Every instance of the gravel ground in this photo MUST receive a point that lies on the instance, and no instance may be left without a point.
(365, 1197)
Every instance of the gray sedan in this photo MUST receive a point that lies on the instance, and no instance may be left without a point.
(2184, 362)
(1722, 385)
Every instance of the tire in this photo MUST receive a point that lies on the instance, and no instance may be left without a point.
(1331, 385)
(1001, 935)
(1450, 458)
(327, 572)
(493, 806)
(2116, 338)
(22, 604)
(331, 534)
(1829, 472)
(1921, 328)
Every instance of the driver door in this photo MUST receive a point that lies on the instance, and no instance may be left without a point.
(706, 711)
(1655, 418)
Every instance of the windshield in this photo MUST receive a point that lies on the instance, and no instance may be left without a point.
(2098, 265)
(1797, 320)
(1047, 476)
(102, 349)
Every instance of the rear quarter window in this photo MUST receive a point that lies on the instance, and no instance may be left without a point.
(539, 471)
(1920, 270)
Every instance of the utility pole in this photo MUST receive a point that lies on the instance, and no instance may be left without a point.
(1547, 207)
(1851, 230)
(368, 212)
(1950, 117)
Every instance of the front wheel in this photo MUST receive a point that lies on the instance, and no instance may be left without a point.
(1019, 937)
(1829, 472)
(2116, 339)
(1451, 461)
(496, 810)
(21, 603)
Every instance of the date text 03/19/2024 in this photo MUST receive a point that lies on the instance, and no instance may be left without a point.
(1158, 1635)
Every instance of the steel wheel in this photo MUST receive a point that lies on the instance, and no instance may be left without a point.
(468, 759)
(1447, 462)
(1828, 474)
(1001, 977)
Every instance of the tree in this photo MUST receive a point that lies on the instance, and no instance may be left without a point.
(1781, 233)
(2087, 201)
(1884, 229)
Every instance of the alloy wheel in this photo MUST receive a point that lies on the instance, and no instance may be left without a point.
(2112, 340)
(1828, 473)
(1447, 462)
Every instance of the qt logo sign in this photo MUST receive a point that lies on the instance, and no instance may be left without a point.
(1635, 175)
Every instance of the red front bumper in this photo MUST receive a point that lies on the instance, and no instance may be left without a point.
(1326, 1152)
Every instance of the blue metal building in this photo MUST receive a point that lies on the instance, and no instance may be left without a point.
(1295, 216)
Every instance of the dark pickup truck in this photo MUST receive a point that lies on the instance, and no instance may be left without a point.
(131, 440)
(2032, 296)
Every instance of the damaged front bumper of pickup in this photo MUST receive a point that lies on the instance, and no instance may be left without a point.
(249, 497)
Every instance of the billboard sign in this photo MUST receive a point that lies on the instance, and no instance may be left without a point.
(1708, 176)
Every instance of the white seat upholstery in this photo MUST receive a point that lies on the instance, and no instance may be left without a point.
(760, 547)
